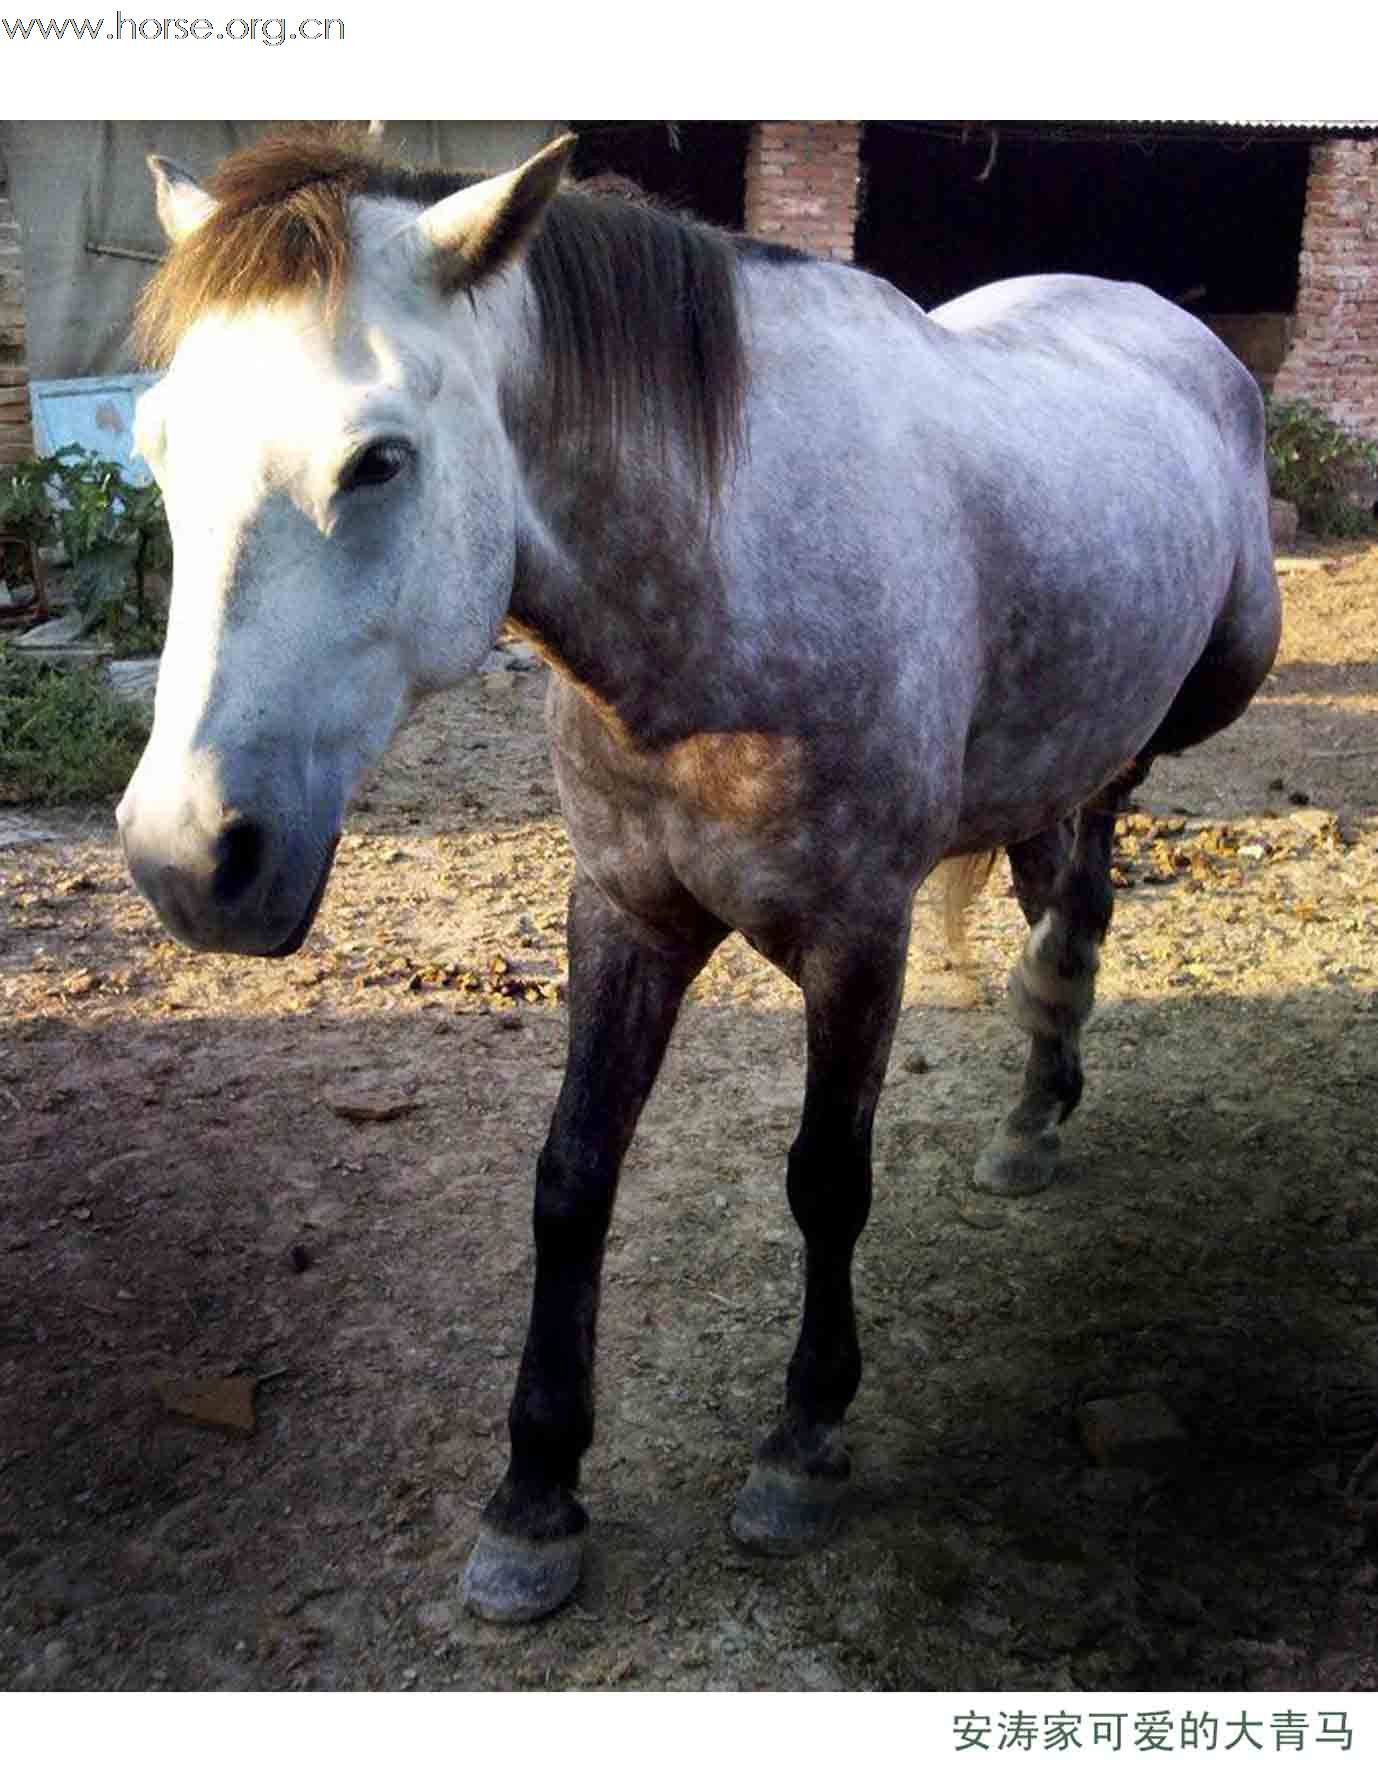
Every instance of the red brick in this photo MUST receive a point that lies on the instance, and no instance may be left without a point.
(1330, 362)
(801, 181)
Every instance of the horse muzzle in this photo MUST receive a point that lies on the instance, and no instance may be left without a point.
(228, 881)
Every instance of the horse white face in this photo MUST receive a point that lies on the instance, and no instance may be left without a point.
(339, 551)
(342, 502)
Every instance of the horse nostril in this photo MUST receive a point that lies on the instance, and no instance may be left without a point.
(238, 860)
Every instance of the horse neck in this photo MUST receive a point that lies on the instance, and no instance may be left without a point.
(614, 547)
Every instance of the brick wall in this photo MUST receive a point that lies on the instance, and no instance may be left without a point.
(801, 185)
(16, 431)
(1333, 361)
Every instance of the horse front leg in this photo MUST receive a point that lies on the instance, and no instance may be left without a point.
(1062, 880)
(624, 996)
(794, 1496)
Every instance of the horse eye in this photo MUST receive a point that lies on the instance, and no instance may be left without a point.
(375, 465)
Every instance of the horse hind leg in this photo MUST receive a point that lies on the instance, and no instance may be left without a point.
(1062, 880)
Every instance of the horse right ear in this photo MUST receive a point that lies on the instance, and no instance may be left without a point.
(182, 204)
(482, 226)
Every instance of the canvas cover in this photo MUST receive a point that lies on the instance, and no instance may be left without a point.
(84, 202)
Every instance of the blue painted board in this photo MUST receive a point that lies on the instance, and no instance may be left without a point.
(96, 412)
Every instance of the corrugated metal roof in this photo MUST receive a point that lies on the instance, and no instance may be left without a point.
(1255, 127)
(1147, 128)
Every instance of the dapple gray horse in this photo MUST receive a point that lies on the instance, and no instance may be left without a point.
(832, 590)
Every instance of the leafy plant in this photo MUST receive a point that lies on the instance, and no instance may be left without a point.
(64, 735)
(25, 504)
(1316, 464)
(114, 533)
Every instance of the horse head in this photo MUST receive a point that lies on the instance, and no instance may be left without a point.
(341, 494)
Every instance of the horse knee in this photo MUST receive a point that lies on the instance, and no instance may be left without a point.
(828, 1184)
(573, 1203)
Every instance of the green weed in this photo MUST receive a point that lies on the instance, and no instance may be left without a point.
(65, 737)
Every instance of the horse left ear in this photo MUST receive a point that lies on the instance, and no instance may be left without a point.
(182, 204)
(481, 227)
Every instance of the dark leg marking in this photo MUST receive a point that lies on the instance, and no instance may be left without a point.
(624, 998)
(795, 1494)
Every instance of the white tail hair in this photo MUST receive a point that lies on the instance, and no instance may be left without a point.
(959, 881)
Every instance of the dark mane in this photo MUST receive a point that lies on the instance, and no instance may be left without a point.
(637, 305)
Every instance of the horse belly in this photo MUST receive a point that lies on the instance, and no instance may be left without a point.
(1073, 707)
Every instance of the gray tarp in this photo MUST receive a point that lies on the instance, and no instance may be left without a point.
(84, 185)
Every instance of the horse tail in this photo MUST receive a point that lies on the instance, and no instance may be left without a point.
(960, 881)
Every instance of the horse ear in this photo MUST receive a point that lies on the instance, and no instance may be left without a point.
(485, 224)
(182, 204)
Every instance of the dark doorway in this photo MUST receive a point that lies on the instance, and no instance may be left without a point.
(1213, 221)
(700, 167)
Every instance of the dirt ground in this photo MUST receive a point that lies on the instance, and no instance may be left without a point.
(186, 1191)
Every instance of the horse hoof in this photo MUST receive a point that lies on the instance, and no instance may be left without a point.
(510, 1580)
(1017, 1169)
(779, 1512)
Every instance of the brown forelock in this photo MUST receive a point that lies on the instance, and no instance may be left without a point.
(637, 306)
(280, 227)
